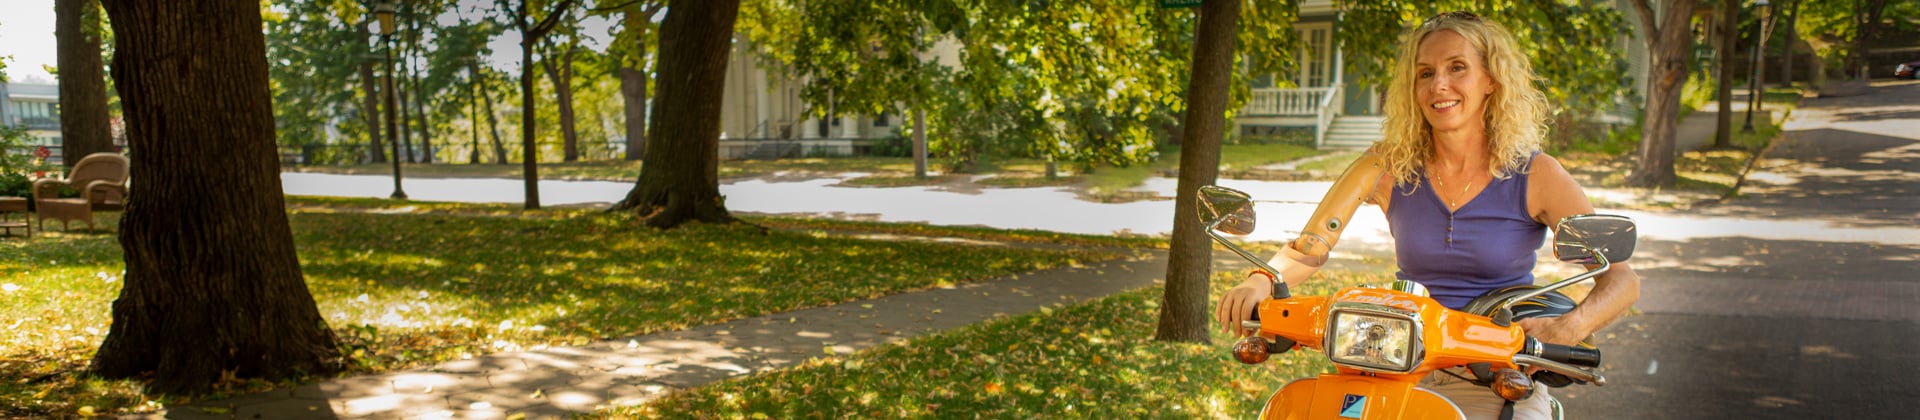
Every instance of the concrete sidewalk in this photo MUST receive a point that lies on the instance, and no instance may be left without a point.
(558, 382)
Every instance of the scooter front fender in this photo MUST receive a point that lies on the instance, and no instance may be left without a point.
(1335, 396)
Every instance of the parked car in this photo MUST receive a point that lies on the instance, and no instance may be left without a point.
(1910, 70)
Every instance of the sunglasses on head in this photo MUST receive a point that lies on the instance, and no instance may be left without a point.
(1458, 14)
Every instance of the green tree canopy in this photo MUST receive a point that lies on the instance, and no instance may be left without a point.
(1575, 48)
(1088, 82)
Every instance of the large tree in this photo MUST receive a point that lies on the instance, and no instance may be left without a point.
(1183, 308)
(1669, 45)
(532, 32)
(484, 87)
(1570, 44)
(630, 47)
(84, 127)
(1866, 17)
(1790, 9)
(370, 111)
(1093, 82)
(1726, 39)
(680, 174)
(558, 62)
(417, 23)
(213, 288)
(325, 86)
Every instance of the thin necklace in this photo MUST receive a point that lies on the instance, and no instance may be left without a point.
(1455, 202)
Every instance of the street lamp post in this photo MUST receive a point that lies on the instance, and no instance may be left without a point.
(1753, 80)
(384, 9)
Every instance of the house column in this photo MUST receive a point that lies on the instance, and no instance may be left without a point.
(763, 115)
(847, 129)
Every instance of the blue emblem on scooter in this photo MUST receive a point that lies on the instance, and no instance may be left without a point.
(1353, 406)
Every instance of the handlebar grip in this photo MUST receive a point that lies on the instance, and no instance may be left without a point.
(1573, 355)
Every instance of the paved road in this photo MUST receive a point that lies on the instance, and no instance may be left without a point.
(1760, 324)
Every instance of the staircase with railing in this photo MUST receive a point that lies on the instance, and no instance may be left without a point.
(1317, 107)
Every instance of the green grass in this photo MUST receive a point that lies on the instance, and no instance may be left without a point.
(1330, 168)
(416, 283)
(1094, 360)
(1236, 161)
(1705, 173)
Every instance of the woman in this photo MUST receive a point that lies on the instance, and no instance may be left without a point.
(1467, 193)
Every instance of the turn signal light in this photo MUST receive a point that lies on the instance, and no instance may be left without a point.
(1512, 385)
(1250, 350)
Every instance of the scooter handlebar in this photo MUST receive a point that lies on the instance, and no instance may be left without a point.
(1573, 355)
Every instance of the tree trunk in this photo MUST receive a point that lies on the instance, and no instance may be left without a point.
(1183, 308)
(920, 143)
(493, 122)
(680, 176)
(529, 155)
(371, 112)
(636, 21)
(633, 92)
(1867, 19)
(561, 75)
(1669, 43)
(1786, 55)
(473, 121)
(213, 287)
(1727, 32)
(401, 90)
(83, 81)
(419, 93)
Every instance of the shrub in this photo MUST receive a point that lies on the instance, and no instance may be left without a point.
(15, 162)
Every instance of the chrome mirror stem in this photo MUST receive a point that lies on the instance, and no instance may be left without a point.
(1602, 269)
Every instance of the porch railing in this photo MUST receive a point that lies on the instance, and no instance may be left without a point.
(1323, 117)
(1297, 101)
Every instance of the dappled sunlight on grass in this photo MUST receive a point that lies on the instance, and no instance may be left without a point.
(440, 281)
(1094, 359)
(57, 287)
(646, 280)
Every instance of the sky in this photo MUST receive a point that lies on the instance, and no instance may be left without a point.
(26, 34)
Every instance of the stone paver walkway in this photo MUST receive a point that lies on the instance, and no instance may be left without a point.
(557, 382)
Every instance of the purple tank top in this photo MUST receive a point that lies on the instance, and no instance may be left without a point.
(1487, 245)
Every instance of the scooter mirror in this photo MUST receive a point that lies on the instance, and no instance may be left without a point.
(1577, 238)
(1226, 210)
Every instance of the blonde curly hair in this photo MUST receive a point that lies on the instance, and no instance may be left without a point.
(1516, 112)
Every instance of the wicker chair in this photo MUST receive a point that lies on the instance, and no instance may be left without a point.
(102, 181)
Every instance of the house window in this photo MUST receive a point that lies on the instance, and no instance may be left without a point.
(881, 120)
(1313, 57)
(1317, 56)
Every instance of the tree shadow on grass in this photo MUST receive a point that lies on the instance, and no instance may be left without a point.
(580, 279)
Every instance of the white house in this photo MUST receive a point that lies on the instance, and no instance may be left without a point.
(762, 115)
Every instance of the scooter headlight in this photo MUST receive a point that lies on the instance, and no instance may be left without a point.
(1374, 340)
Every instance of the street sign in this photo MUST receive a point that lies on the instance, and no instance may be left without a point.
(1177, 4)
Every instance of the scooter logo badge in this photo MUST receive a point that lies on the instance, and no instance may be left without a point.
(1354, 406)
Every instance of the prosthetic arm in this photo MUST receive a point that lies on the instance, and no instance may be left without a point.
(1304, 256)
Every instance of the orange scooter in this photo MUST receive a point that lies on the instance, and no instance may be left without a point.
(1382, 341)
